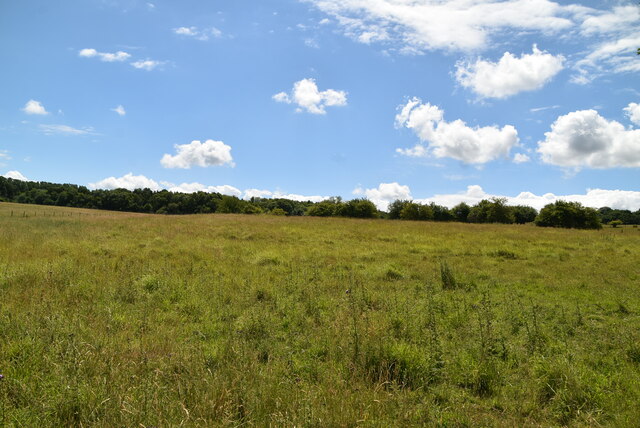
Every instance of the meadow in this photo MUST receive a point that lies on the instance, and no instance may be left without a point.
(120, 320)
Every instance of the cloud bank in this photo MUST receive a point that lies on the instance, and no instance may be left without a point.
(384, 194)
(595, 198)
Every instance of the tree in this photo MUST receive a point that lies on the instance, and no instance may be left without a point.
(416, 211)
(328, 208)
(491, 211)
(524, 214)
(461, 212)
(395, 208)
(358, 208)
(568, 215)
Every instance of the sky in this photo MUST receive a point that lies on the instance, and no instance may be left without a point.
(431, 100)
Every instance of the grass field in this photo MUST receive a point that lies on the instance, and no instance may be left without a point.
(123, 320)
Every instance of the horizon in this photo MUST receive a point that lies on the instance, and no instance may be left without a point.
(308, 99)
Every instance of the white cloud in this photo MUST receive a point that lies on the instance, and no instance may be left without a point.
(257, 193)
(620, 18)
(455, 139)
(198, 34)
(633, 112)
(521, 158)
(128, 181)
(197, 187)
(617, 39)
(617, 56)
(120, 110)
(306, 96)
(34, 107)
(537, 109)
(385, 193)
(209, 153)
(585, 139)
(419, 25)
(16, 175)
(596, 198)
(147, 64)
(510, 75)
(104, 56)
(132, 182)
(65, 130)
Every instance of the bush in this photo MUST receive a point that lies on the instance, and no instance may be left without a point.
(569, 215)
(323, 209)
(278, 212)
(414, 211)
(524, 214)
(358, 208)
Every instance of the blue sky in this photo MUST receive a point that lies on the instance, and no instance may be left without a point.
(432, 100)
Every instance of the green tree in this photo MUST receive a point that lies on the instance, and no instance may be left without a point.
(461, 212)
(569, 215)
(395, 208)
(494, 210)
(358, 208)
(416, 211)
(524, 214)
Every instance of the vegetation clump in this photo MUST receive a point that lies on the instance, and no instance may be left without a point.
(569, 215)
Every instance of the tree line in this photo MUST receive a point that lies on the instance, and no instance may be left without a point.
(495, 210)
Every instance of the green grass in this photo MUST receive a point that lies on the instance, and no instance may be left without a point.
(113, 319)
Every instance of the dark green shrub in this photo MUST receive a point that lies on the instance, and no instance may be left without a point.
(568, 215)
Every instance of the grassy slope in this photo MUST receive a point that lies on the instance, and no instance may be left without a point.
(110, 319)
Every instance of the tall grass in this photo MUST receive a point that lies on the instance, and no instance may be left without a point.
(110, 319)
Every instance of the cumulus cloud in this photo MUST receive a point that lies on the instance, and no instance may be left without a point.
(104, 56)
(16, 175)
(198, 34)
(477, 145)
(384, 194)
(147, 64)
(120, 110)
(521, 158)
(596, 198)
(585, 139)
(307, 97)
(510, 75)
(34, 107)
(127, 181)
(65, 130)
(420, 25)
(196, 153)
(633, 112)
